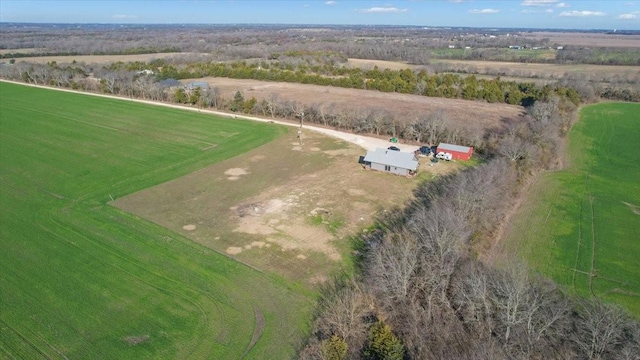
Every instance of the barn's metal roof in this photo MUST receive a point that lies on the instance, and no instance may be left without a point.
(392, 158)
(456, 148)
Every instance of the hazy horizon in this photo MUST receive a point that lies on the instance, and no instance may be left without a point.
(532, 14)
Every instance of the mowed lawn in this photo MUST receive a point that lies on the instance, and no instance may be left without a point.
(81, 279)
(582, 225)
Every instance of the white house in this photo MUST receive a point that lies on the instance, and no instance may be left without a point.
(395, 162)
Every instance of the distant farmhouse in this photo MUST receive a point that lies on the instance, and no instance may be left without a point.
(457, 152)
(395, 162)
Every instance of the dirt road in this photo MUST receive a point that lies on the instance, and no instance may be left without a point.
(366, 142)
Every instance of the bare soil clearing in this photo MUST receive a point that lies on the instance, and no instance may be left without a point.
(278, 215)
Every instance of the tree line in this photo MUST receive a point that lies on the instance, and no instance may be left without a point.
(420, 292)
(125, 80)
(415, 45)
(405, 81)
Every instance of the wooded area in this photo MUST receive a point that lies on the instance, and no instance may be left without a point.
(418, 274)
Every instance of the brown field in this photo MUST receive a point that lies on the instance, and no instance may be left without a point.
(459, 113)
(97, 59)
(381, 64)
(547, 70)
(21, 51)
(587, 39)
(281, 207)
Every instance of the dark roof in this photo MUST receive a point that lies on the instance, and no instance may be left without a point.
(456, 148)
(392, 158)
(170, 82)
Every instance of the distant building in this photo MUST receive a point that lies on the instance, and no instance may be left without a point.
(395, 162)
(170, 83)
(457, 152)
(198, 84)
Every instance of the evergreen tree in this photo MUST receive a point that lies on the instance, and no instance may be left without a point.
(335, 348)
(238, 102)
(383, 344)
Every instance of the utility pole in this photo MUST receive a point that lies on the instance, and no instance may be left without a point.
(300, 132)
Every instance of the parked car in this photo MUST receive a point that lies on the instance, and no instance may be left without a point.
(424, 150)
(394, 148)
(444, 156)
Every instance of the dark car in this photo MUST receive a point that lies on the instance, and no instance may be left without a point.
(425, 150)
(394, 148)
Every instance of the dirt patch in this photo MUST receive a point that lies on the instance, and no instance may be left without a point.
(235, 173)
(136, 340)
(234, 250)
(189, 227)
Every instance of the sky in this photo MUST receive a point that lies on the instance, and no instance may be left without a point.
(557, 14)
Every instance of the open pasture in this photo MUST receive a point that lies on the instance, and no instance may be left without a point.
(82, 279)
(581, 225)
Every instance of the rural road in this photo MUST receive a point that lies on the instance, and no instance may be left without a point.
(366, 142)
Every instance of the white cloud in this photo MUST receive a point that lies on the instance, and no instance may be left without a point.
(331, 2)
(531, 11)
(627, 16)
(456, 1)
(123, 16)
(583, 13)
(483, 11)
(382, 10)
(562, 5)
(538, 2)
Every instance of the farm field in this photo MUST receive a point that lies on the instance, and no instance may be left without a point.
(580, 225)
(472, 115)
(546, 71)
(83, 279)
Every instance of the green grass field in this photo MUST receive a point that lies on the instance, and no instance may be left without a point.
(582, 224)
(81, 279)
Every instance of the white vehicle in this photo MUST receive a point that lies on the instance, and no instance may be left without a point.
(444, 156)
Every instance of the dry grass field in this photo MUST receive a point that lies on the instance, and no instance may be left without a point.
(283, 207)
(94, 59)
(587, 39)
(557, 71)
(404, 107)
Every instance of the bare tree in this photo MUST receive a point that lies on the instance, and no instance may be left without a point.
(600, 329)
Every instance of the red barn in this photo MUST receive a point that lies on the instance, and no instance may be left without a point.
(458, 152)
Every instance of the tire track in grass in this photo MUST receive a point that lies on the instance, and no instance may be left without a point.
(25, 340)
(592, 272)
(258, 328)
(205, 316)
(575, 266)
